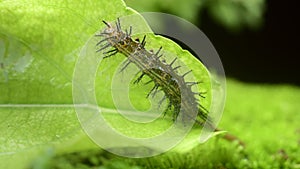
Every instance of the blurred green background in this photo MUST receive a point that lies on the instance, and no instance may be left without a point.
(256, 39)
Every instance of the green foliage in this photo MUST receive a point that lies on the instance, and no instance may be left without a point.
(236, 15)
(40, 43)
(232, 14)
(186, 9)
(269, 127)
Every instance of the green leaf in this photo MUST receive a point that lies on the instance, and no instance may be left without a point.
(39, 45)
(138, 92)
(40, 42)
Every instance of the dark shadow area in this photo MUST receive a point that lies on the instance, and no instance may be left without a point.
(268, 55)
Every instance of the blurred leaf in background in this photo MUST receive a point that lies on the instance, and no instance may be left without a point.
(235, 15)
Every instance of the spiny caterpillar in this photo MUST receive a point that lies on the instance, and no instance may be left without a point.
(181, 99)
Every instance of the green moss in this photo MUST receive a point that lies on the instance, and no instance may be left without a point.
(264, 117)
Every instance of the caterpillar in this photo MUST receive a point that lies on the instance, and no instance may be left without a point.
(182, 101)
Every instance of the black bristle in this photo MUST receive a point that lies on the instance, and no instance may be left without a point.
(186, 73)
(108, 25)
